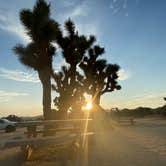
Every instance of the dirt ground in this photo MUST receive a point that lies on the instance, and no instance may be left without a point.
(143, 144)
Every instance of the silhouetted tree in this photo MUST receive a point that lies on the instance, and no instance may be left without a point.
(68, 80)
(100, 77)
(73, 47)
(66, 91)
(69, 96)
(38, 54)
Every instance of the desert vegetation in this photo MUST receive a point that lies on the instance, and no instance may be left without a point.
(85, 72)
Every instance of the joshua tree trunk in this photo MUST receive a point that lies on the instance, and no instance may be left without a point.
(45, 77)
(73, 75)
(63, 112)
(96, 99)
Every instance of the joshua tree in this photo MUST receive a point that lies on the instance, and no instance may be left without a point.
(100, 77)
(69, 95)
(38, 54)
(74, 47)
(63, 88)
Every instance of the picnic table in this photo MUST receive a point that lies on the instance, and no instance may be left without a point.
(125, 120)
(69, 132)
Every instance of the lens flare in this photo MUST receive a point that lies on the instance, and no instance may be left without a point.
(89, 106)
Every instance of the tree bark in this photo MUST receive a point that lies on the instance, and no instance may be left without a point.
(96, 100)
(45, 77)
(73, 75)
(63, 112)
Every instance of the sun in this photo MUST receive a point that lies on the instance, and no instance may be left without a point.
(89, 106)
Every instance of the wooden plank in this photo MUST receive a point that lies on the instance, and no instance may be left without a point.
(41, 141)
(55, 130)
(50, 122)
(131, 121)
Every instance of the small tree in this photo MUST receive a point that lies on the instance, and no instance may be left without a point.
(68, 95)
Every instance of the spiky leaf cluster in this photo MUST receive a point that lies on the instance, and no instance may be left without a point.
(101, 77)
(42, 30)
(68, 94)
(73, 45)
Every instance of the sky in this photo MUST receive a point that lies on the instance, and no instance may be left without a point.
(133, 33)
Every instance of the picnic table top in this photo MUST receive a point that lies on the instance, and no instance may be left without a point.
(64, 138)
(45, 122)
(39, 141)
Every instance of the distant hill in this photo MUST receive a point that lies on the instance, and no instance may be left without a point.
(23, 118)
(139, 112)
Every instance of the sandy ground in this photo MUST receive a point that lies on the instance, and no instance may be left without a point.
(143, 144)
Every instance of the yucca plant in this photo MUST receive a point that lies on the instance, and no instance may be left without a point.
(38, 53)
(100, 77)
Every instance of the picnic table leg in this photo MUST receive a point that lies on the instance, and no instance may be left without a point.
(27, 151)
(31, 131)
(77, 159)
(132, 121)
(64, 160)
(70, 156)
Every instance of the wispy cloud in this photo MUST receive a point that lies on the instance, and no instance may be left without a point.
(88, 29)
(123, 74)
(143, 100)
(77, 8)
(18, 75)
(69, 3)
(11, 24)
(119, 6)
(149, 96)
(7, 96)
(81, 10)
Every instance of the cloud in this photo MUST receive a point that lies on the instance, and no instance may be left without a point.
(149, 96)
(123, 74)
(18, 75)
(7, 96)
(81, 10)
(73, 10)
(10, 24)
(69, 3)
(118, 6)
(144, 100)
(88, 29)
(77, 9)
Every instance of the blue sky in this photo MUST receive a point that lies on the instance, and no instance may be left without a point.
(133, 33)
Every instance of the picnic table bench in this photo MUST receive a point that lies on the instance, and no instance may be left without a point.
(126, 120)
(71, 133)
